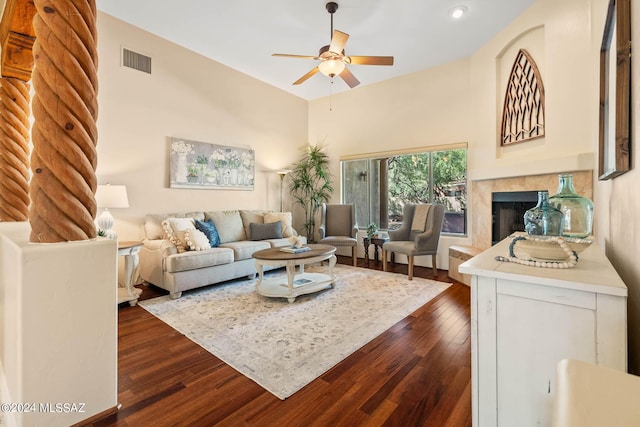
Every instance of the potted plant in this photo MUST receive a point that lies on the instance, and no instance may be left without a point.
(372, 229)
(310, 184)
(192, 175)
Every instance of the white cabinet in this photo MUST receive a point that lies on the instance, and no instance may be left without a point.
(526, 319)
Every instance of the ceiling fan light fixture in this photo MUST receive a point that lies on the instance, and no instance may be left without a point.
(331, 67)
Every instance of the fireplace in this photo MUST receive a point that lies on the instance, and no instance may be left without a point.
(507, 212)
(482, 191)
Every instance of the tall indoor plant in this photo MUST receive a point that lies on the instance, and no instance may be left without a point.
(310, 184)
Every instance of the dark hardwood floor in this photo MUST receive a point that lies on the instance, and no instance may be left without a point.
(418, 373)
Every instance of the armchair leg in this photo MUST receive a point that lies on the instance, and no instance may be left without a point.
(354, 255)
(410, 267)
(433, 264)
(384, 260)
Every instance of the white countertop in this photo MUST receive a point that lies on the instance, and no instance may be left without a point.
(593, 272)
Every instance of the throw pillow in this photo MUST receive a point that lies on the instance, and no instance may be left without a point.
(285, 219)
(251, 216)
(228, 224)
(210, 231)
(174, 229)
(196, 240)
(420, 214)
(265, 231)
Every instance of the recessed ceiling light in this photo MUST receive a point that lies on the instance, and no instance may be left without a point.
(457, 12)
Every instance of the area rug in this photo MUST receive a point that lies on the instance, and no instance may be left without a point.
(283, 346)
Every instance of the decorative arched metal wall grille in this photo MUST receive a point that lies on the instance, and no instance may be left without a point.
(523, 112)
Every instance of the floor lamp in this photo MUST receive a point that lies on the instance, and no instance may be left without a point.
(110, 196)
(282, 174)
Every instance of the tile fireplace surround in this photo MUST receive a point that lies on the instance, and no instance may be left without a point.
(482, 193)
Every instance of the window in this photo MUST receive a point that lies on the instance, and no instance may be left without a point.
(380, 186)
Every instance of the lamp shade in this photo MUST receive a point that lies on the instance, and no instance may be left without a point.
(282, 173)
(331, 67)
(112, 196)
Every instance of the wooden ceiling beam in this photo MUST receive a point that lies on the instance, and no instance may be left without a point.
(16, 38)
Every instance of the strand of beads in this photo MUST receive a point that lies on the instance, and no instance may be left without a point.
(572, 256)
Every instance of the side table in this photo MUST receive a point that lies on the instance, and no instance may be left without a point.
(377, 243)
(128, 293)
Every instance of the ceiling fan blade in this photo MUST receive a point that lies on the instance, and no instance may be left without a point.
(349, 78)
(338, 40)
(286, 55)
(371, 60)
(306, 76)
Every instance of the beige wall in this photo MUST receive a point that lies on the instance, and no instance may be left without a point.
(191, 97)
(422, 109)
(618, 201)
(557, 34)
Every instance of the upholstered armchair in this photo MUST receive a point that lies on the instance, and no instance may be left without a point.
(418, 235)
(338, 227)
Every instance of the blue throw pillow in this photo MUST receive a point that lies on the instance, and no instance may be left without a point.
(209, 229)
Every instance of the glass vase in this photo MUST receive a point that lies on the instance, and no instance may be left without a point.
(577, 210)
(543, 219)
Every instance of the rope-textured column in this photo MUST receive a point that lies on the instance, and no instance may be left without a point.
(14, 149)
(64, 133)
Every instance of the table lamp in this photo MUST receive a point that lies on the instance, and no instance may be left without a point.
(110, 196)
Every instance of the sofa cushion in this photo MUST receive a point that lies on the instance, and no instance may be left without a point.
(197, 259)
(284, 218)
(265, 231)
(228, 224)
(196, 240)
(244, 249)
(175, 228)
(210, 230)
(256, 216)
(153, 229)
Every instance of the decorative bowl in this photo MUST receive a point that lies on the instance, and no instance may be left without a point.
(547, 248)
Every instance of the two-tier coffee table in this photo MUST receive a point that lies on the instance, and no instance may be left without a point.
(296, 283)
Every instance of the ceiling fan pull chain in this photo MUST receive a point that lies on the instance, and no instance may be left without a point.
(331, 94)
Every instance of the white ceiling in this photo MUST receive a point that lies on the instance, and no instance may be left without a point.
(243, 34)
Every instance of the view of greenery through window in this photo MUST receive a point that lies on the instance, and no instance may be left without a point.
(380, 187)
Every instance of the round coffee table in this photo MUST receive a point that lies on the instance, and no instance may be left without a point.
(299, 283)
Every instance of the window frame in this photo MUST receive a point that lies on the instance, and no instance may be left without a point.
(406, 152)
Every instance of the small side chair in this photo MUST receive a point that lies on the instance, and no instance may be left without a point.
(338, 227)
(418, 235)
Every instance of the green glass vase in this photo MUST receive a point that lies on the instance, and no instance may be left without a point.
(543, 219)
(577, 210)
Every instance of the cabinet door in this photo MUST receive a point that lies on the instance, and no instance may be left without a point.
(534, 332)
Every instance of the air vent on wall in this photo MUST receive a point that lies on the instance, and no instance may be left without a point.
(136, 60)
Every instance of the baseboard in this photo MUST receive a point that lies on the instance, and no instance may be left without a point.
(98, 417)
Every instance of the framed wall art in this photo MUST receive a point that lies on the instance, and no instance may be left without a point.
(203, 165)
(615, 92)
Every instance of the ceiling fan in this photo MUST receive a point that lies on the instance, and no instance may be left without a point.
(333, 60)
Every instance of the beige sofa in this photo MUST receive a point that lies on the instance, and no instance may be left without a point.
(165, 263)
